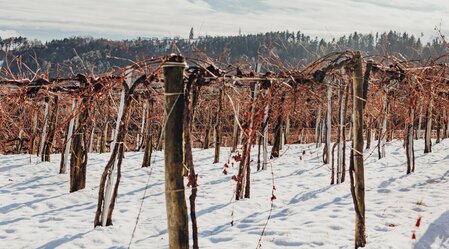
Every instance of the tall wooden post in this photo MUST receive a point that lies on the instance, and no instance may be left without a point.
(428, 131)
(78, 156)
(444, 124)
(357, 171)
(278, 131)
(104, 134)
(328, 125)
(287, 129)
(178, 230)
(318, 128)
(146, 162)
(217, 128)
(383, 135)
(91, 142)
(140, 135)
(409, 142)
(208, 128)
(68, 142)
(44, 130)
(265, 133)
(33, 139)
(51, 133)
(341, 127)
(418, 130)
(343, 169)
(235, 131)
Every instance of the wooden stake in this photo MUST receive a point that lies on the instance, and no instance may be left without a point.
(357, 171)
(178, 230)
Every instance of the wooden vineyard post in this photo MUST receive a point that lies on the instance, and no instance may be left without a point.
(178, 230)
(383, 134)
(68, 143)
(104, 134)
(33, 139)
(341, 127)
(318, 128)
(357, 169)
(140, 135)
(235, 131)
(287, 130)
(217, 127)
(418, 129)
(78, 157)
(208, 128)
(48, 145)
(91, 142)
(44, 130)
(265, 133)
(409, 142)
(148, 150)
(278, 132)
(327, 151)
(428, 131)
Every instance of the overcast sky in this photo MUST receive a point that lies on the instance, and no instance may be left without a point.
(115, 19)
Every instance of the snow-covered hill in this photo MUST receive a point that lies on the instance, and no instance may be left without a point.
(36, 210)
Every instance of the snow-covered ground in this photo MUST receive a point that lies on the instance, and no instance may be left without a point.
(36, 210)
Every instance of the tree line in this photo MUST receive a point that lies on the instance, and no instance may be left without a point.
(99, 55)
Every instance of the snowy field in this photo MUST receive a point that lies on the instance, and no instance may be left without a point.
(36, 210)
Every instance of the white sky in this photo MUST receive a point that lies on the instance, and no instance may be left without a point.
(115, 19)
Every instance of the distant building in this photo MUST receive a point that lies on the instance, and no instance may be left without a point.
(146, 38)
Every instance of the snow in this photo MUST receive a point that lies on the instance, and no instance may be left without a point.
(36, 210)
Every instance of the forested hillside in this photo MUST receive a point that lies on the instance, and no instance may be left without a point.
(293, 48)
